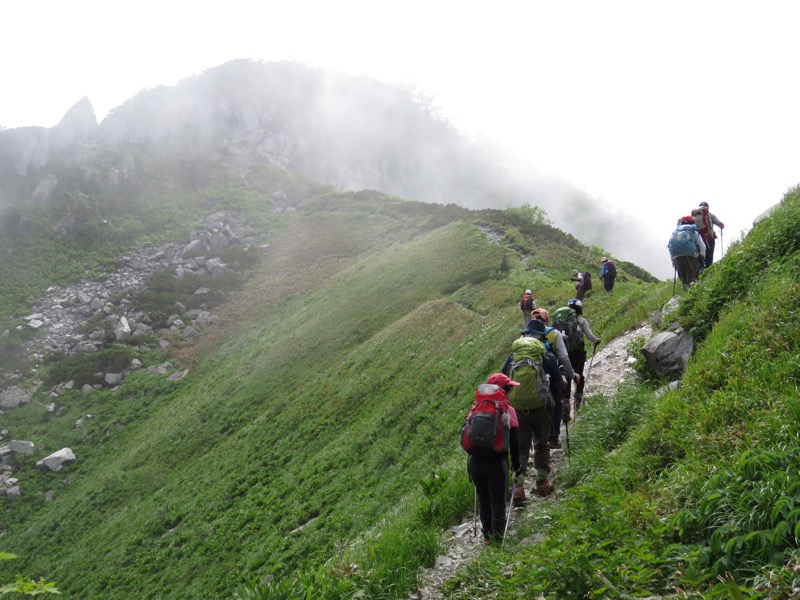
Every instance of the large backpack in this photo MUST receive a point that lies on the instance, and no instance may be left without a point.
(587, 281)
(488, 424)
(702, 219)
(565, 319)
(682, 243)
(527, 357)
(527, 302)
(611, 270)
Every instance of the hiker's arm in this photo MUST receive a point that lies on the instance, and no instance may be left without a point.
(700, 243)
(507, 366)
(716, 221)
(563, 356)
(587, 331)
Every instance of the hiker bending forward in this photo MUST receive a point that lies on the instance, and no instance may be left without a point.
(531, 365)
(488, 468)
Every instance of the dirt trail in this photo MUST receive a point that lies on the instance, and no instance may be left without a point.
(609, 368)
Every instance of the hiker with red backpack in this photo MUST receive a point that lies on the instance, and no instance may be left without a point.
(488, 436)
(527, 304)
(570, 321)
(705, 221)
(531, 365)
(557, 345)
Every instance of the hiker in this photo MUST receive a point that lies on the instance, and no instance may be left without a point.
(527, 304)
(488, 466)
(570, 321)
(686, 248)
(608, 273)
(580, 289)
(531, 365)
(705, 221)
(557, 345)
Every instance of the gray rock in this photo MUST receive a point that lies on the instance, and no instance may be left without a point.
(668, 353)
(57, 460)
(113, 378)
(14, 397)
(22, 446)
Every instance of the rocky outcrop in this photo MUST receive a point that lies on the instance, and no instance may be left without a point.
(668, 353)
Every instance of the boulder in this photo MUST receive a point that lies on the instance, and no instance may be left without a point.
(14, 397)
(668, 353)
(57, 460)
(22, 446)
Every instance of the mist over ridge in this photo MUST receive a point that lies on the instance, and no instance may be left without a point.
(348, 132)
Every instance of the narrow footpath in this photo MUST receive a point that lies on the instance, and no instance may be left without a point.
(610, 367)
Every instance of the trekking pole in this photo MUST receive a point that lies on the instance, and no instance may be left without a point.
(566, 432)
(721, 245)
(508, 511)
(589, 372)
(674, 279)
(475, 515)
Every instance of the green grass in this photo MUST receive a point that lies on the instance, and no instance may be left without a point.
(312, 450)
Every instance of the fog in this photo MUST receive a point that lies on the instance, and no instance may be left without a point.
(352, 133)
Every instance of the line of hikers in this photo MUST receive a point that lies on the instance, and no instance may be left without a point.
(522, 407)
(691, 245)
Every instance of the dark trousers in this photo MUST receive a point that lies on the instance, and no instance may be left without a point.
(490, 476)
(534, 430)
(577, 359)
(710, 251)
(687, 269)
(608, 283)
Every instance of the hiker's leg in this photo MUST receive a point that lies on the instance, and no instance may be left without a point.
(710, 252)
(524, 436)
(541, 449)
(555, 426)
(526, 316)
(498, 484)
(578, 360)
(477, 470)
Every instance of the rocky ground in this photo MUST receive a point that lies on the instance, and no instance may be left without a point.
(610, 366)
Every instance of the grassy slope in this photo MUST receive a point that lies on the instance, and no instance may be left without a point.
(694, 492)
(310, 414)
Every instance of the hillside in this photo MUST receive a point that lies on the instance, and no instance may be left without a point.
(309, 414)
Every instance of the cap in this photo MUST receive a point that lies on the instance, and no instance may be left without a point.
(604, 259)
(542, 314)
(573, 302)
(501, 380)
(534, 327)
(688, 220)
(704, 204)
(575, 271)
(527, 291)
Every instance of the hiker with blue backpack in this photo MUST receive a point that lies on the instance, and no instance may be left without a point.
(555, 343)
(608, 273)
(686, 248)
(531, 365)
(488, 436)
(570, 321)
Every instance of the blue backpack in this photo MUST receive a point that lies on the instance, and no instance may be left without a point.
(682, 243)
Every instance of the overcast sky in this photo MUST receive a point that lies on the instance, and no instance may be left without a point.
(650, 107)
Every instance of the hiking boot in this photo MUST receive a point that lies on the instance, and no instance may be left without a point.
(554, 444)
(544, 488)
(518, 498)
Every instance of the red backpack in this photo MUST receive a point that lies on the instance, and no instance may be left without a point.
(488, 424)
(527, 302)
(704, 225)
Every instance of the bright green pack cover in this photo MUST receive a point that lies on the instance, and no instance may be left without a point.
(565, 319)
(527, 354)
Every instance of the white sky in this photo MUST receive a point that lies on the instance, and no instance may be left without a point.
(649, 106)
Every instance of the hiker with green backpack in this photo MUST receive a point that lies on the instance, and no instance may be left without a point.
(531, 366)
(570, 321)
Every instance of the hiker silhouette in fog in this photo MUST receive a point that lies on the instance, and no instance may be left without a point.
(686, 246)
(488, 463)
(608, 273)
(558, 346)
(705, 221)
(580, 289)
(527, 304)
(531, 365)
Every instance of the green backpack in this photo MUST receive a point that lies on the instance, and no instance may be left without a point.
(565, 319)
(527, 356)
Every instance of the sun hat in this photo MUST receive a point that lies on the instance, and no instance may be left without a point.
(501, 380)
